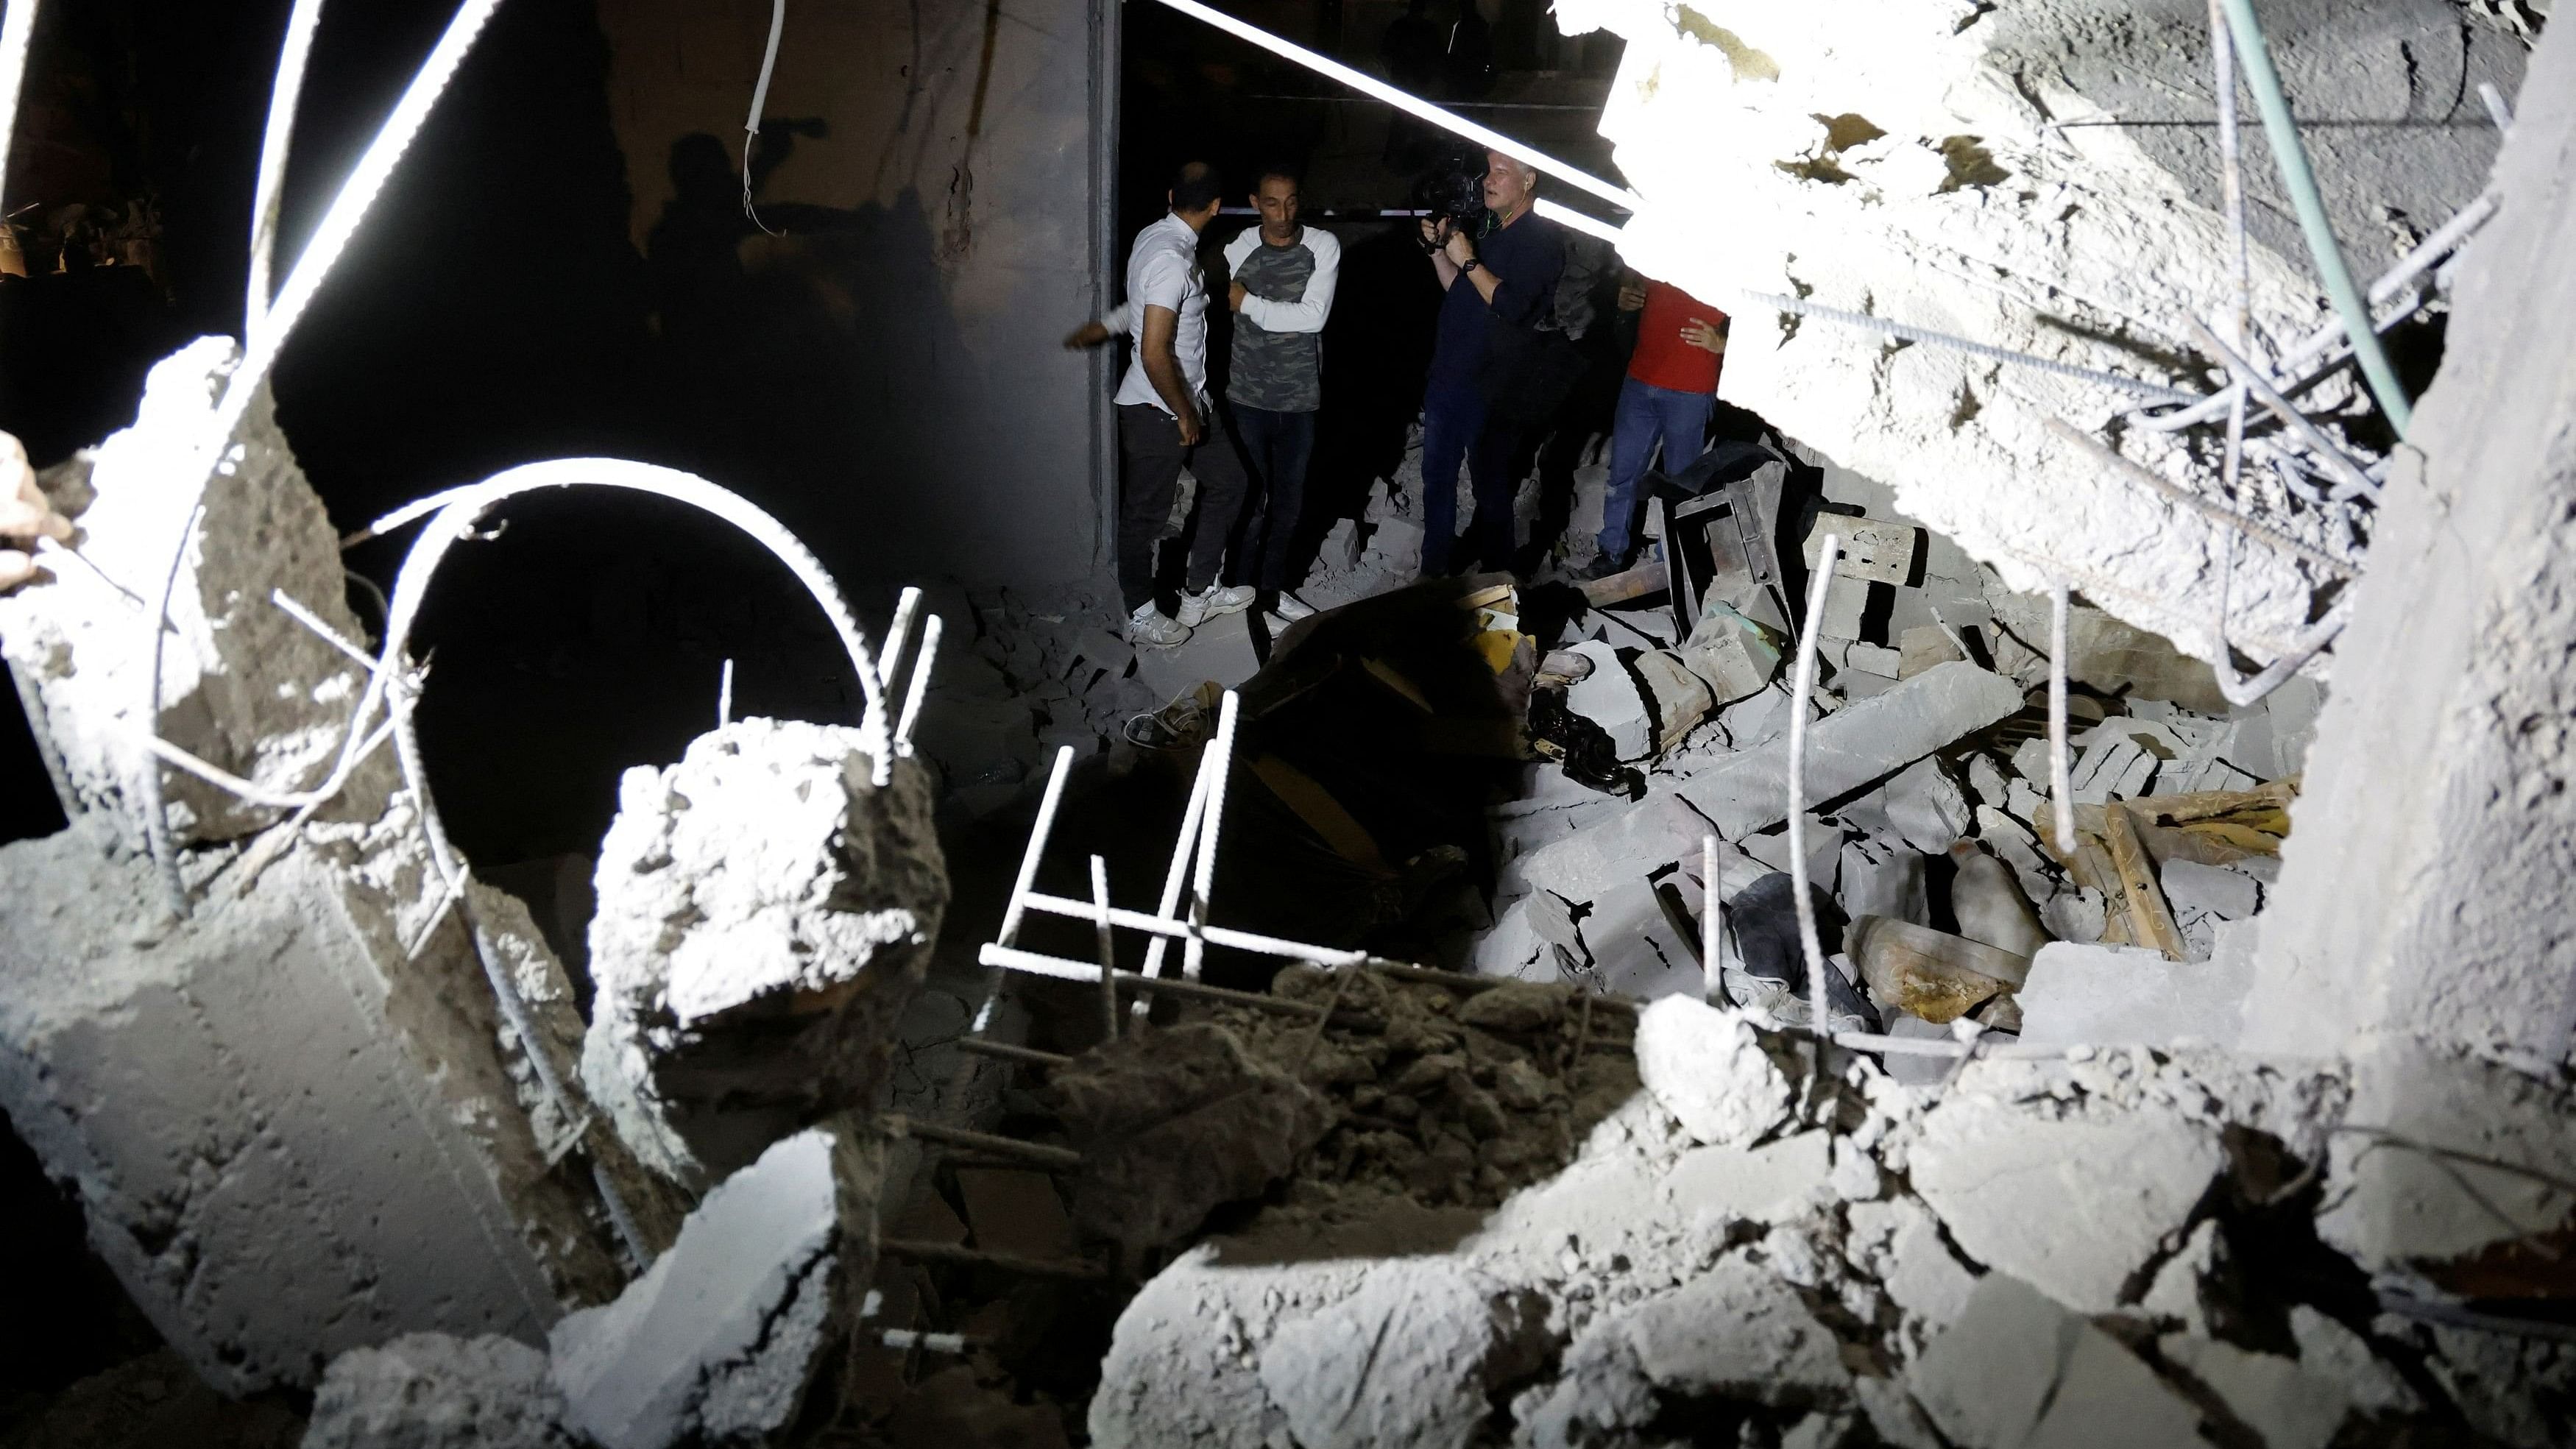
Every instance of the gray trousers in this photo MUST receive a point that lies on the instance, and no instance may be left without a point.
(1151, 458)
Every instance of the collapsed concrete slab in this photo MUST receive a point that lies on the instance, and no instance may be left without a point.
(243, 686)
(2017, 1369)
(2123, 995)
(290, 1132)
(721, 1339)
(1853, 746)
(2121, 1191)
(765, 914)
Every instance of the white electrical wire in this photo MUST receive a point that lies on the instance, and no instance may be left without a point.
(759, 103)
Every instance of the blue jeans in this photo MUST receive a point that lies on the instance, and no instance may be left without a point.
(1648, 415)
(1278, 446)
(1455, 428)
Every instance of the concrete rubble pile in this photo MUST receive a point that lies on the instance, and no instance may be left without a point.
(337, 1112)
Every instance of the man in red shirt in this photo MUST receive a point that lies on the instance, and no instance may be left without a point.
(1670, 391)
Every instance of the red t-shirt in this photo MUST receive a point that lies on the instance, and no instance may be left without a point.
(1663, 359)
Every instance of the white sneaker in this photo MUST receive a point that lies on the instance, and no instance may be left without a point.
(1148, 627)
(1291, 608)
(1215, 599)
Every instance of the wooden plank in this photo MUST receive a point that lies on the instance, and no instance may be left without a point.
(2149, 915)
(1640, 582)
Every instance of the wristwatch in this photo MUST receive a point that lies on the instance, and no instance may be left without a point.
(1471, 264)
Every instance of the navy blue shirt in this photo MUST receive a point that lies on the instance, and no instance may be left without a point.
(1526, 258)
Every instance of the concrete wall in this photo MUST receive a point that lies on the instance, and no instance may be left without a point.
(2427, 888)
(892, 363)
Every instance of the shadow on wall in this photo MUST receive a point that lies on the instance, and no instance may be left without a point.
(800, 380)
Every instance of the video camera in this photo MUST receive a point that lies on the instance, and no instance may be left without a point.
(1452, 192)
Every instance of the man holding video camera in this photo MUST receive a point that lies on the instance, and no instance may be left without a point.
(1499, 266)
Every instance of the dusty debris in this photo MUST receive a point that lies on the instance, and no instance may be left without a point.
(1930, 974)
(1708, 1066)
(2018, 1369)
(766, 913)
(431, 1391)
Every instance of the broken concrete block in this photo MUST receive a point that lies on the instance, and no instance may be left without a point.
(1736, 1331)
(1707, 1066)
(1989, 905)
(2185, 1289)
(1930, 974)
(2330, 1351)
(2286, 1407)
(1846, 608)
(1676, 694)
(1899, 1243)
(1853, 746)
(2074, 1207)
(1923, 647)
(432, 1391)
(2227, 894)
(290, 1135)
(1219, 649)
(1657, 831)
(2125, 995)
(720, 1338)
(1634, 948)
(1872, 549)
(1880, 880)
(1926, 807)
(1401, 1361)
(1174, 1123)
(1734, 656)
(1773, 1183)
(1609, 697)
(2116, 658)
(243, 686)
(2500, 1165)
(2077, 916)
(2017, 846)
(2017, 1369)
(1873, 659)
(766, 912)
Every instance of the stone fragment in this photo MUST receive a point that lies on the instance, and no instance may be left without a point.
(1899, 1242)
(1515, 1008)
(1676, 695)
(2184, 1290)
(1923, 647)
(1401, 1362)
(2460, 1158)
(1634, 948)
(1872, 549)
(1922, 805)
(1853, 746)
(243, 686)
(2073, 1207)
(1173, 1123)
(2129, 995)
(1989, 905)
(2230, 895)
(720, 1338)
(1610, 698)
(1930, 974)
(432, 1391)
(1707, 1066)
(766, 913)
(1219, 650)
(2018, 1370)
(1772, 1183)
(1657, 831)
(1884, 880)
(1871, 659)
(2285, 1406)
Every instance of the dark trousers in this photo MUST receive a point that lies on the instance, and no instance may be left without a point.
(1149, 448)
(1278, 445)
(1456, 427)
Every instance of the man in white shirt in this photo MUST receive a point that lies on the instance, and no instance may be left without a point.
(1166, 420)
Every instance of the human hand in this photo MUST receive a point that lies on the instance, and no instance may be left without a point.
(1632, 295)
(25, 515)
(1190, 429)
(1460, 250)
(1706, 338)
(1234, 301)
(1089, 334)
(1431, 234)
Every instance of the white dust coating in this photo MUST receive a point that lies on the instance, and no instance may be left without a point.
(243, 686)
(436, 1391)
(1995, 202)
(765, 913)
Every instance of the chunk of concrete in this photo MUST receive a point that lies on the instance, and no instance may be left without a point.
(1634, 948)
(1899, 1243)
(1989, 905)
(2330, 1351)
(1707, 1066)
(243, 685)
(766, 912)
(1773, 1183)
(2227, 894)
(1609, 697)
(432, 1391)
(2077, 1207)
(1657, 831)
(1883, 880)
(1219, 649)
(1930, 974)
(2285, 1406)
(2129, 995)
(721, 1337)
(291, 1136)
(2017, 1370)
(1401, 1362)
(1873, 550)
(1853, 746)
(1736, 1331)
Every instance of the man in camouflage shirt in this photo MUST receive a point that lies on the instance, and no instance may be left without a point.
(1284, 275)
